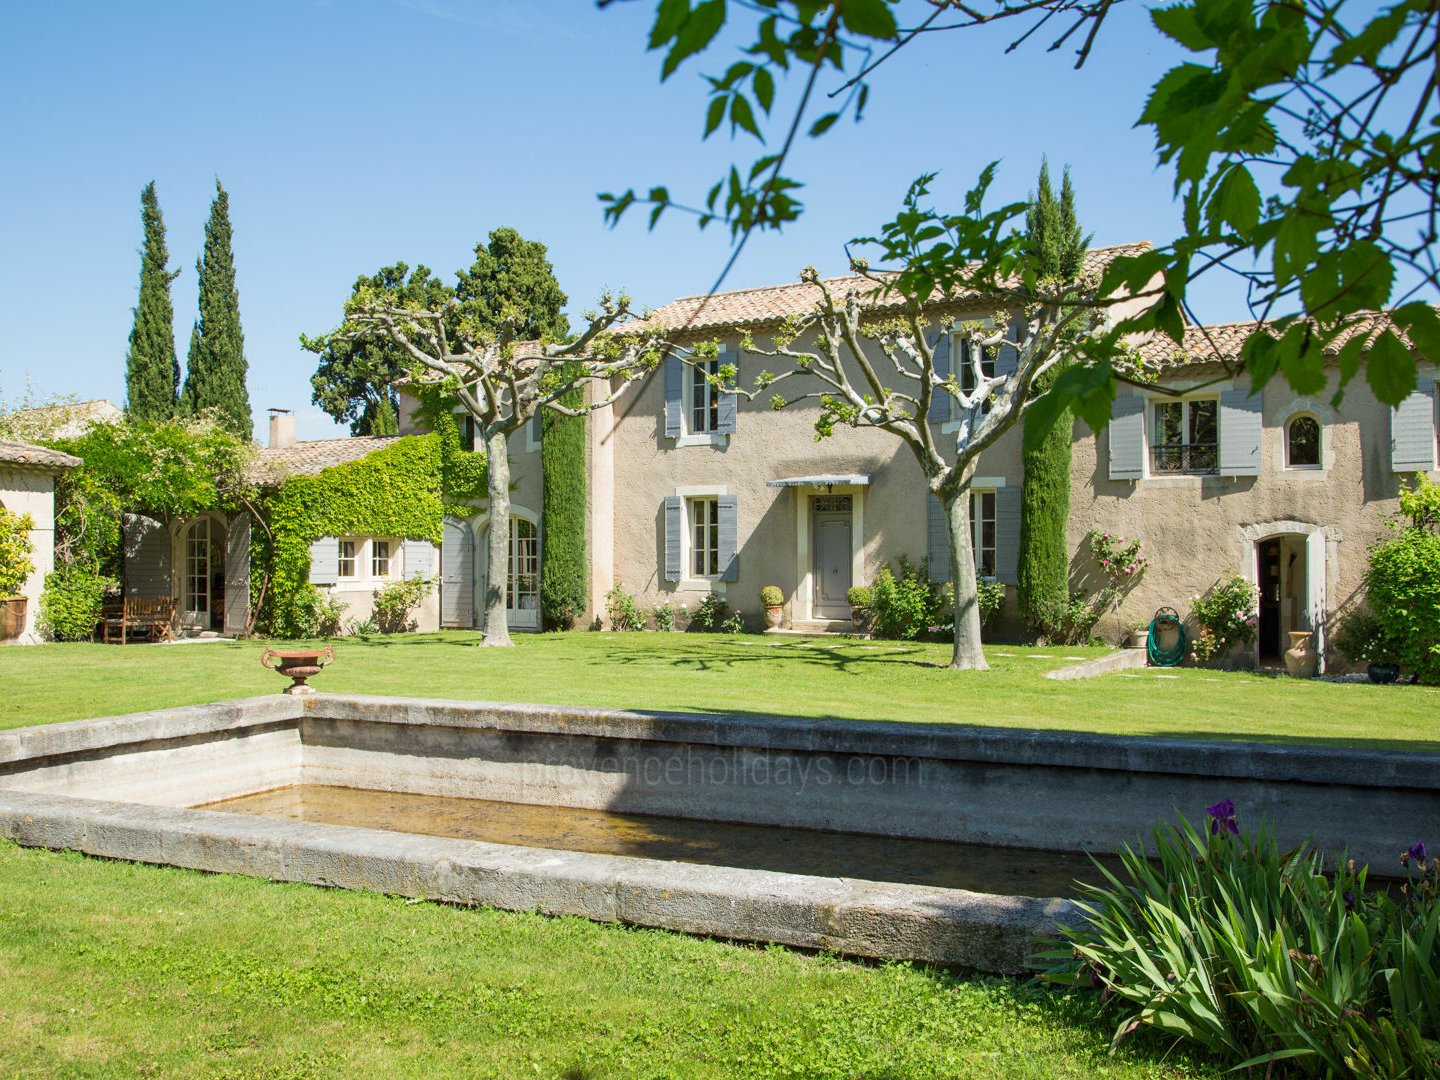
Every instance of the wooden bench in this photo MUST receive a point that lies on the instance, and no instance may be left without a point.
(151, 616)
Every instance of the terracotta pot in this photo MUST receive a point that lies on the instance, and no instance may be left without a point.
(1139, 639)
(299, 665)
(12, 618)
(774, 617)
(1300, 658)
(1384, 674)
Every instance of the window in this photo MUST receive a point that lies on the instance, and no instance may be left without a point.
(522, 591)
(982, 532)
(347, 558)
(704, 537)
(466, 424)
(704, 397)
(1302, 443)
(1184, 439)
(967, 369)
(380, 558)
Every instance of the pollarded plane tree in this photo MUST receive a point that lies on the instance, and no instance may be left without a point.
(880, 362)
(502, 382)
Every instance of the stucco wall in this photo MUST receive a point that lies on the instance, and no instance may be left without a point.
(32, 491)
(1197, 530)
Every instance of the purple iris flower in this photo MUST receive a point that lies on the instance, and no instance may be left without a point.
(1222, 818)
(1417, 851)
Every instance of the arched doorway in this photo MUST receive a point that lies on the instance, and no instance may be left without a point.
(522, 593)
(1287, 562)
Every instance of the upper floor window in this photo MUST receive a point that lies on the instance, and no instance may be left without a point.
(466, 424)
(967, 369)
(1302, 443)
(1184, 437)
(704, 397)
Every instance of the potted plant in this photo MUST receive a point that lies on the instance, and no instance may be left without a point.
(15, 569)
(773, 601)
(1139, 635)
(860, 598)
(1362, 641)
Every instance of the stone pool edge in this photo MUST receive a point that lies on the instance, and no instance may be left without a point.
(873, 920)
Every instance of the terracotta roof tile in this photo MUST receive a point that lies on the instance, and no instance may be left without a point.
(1222, 341)
(21, 453)
(749, 308)
(272, 465)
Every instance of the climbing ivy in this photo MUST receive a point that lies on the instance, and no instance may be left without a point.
(564, 569)
(463, 474)
(396, 491)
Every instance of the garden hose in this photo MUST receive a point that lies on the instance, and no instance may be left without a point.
(1171, 657)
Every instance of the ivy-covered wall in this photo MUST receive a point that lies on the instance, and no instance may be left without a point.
(396, 491)
(564, 565)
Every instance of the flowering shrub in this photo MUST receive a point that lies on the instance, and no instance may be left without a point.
(735, 623)
(664, 616)
(1271, 960)
(1118, 556)
(905, 606)
(397, 601)
(15, 552)
(709, 613)
(624, 611)
(1227, 615)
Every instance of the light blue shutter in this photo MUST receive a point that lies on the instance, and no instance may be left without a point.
(325, 561)
(937, 534)
(147, 557)
(418, 558)
(1007, 356)
(674, 392)
(1127, 439)
(537, 425)
(1412, 431)
(237, 573)
(728, 403)
(1239, 433)
(674, 530)
(940, 403)
(1007, 534)
(728, 514)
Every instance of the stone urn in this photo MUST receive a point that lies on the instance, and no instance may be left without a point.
(1301, 659)
(1139, 637)
(1382, 674)
(775, 617)
(299, 665)
(12, 617)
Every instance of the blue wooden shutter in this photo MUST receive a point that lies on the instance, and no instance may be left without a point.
(1007, 534)
(728, 515)
(940, 403)
(418, 558)
(147, 557)
(674, 392)
(1127, 439)
(674, 531)
(237, 573)
(325, 561)
(1412, 431)
(937, 534)
(1007, 356)
(537, 425)
(1239, 433)
(728, 403)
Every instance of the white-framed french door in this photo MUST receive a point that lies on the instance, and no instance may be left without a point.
(522, 592)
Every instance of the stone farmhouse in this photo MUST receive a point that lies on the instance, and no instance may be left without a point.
(691, 491)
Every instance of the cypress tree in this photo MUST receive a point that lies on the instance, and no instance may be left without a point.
(152, 370)
(215, 369)
(1055, 246)
(564, 565)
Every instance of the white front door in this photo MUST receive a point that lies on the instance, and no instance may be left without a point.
(522, 591)
(195, 598)
(832, 539)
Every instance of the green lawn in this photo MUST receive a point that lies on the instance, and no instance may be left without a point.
(838, 678)
(111, 969)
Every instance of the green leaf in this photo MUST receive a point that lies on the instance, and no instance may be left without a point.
(1390, 370)
(764, 84)
(1178, 23)
(742, 116)
(1347, 279)
(1421, 324)
(1237, 200)
(868, 18)
(824, 124)
(697, 31)
(669, 17)
(714, 114)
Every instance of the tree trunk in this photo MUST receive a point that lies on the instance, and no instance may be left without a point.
(497, 558)
(968, 656)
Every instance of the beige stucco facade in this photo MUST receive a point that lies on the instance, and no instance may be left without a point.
(28, 490)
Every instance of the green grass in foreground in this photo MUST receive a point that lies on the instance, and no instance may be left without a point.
(836, 678)
(115, 969)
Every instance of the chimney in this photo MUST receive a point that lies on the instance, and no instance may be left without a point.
(282, 429)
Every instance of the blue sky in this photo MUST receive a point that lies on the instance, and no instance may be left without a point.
(353, 134)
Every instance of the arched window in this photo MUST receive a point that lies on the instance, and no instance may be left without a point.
(1302, 443)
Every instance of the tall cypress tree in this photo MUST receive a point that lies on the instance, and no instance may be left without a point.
(1055, 246)
(215, 369)
(152, 370)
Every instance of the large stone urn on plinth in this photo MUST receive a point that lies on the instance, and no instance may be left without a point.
(299, 665)
(1301, 660)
